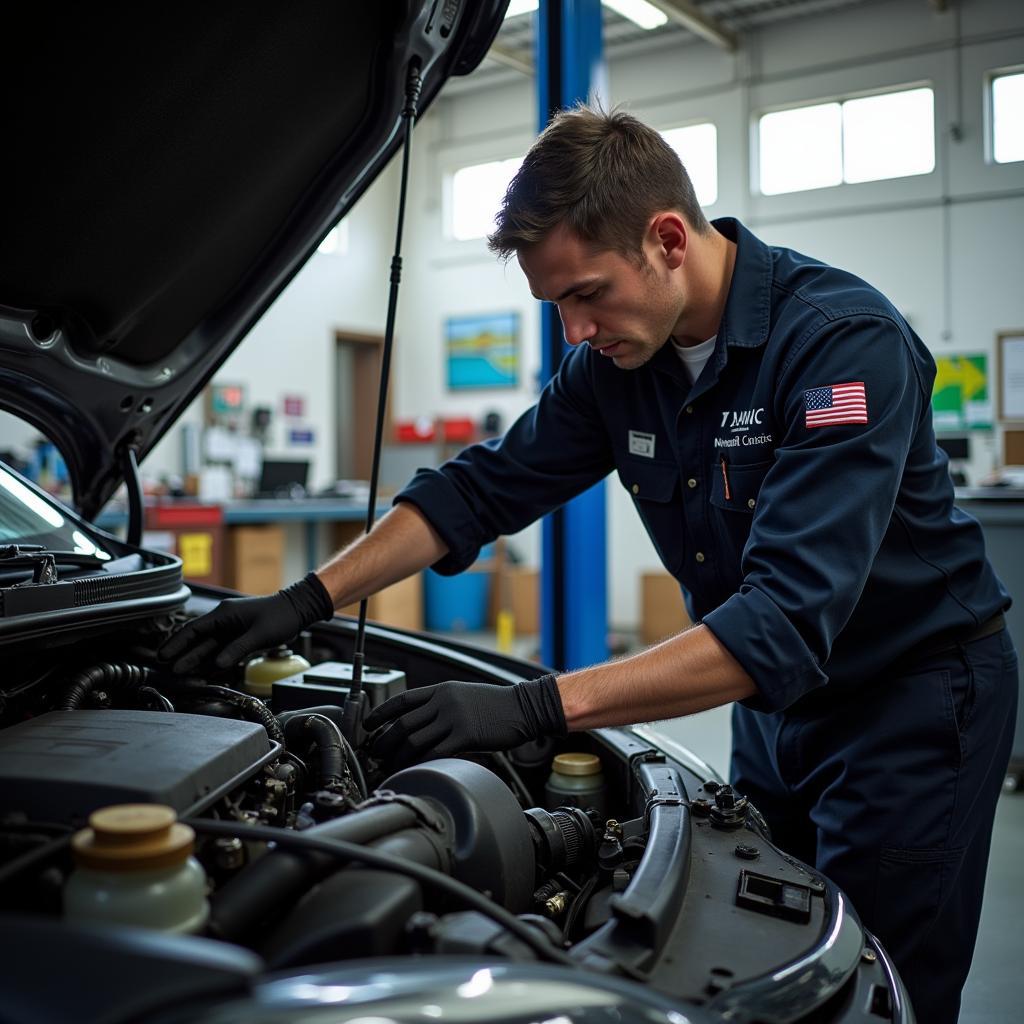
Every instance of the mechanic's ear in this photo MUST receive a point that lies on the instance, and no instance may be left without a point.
(668, 236)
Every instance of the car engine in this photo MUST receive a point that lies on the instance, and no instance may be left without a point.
(82, 734)
(304, 851)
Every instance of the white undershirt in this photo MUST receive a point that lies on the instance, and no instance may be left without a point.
(695, 357)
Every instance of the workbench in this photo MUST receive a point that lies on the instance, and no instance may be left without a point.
(310, 512)
(1000, 510)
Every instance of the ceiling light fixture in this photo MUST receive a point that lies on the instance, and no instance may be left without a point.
(640, 12)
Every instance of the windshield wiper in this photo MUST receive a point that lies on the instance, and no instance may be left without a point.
(43, 561)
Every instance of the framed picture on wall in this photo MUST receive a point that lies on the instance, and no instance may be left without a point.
(482, 351)
(1010, 363)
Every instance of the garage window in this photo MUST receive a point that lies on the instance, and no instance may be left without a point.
(475, 196)
(868, 138)
(1008, 117)
(697, 146)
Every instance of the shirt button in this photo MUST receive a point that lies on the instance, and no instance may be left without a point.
(751, 503)
(691, 482)
(699, 556)
(636, 488)
(689, 408)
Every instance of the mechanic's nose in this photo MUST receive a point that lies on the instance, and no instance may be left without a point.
(577, 328)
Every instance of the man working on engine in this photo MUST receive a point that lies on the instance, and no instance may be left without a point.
(770, 416)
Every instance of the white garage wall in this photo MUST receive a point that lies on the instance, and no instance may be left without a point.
(292, 348)
(946, 247)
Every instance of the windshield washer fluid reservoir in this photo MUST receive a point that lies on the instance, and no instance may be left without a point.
(576, 780)
(135, 867)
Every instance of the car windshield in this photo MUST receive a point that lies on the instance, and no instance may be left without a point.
(27, 517)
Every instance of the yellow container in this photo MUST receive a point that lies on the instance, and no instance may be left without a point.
(576, 780)
(261, 672)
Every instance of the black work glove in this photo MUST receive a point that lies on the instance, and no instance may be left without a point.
(240, 625)
(452, 718)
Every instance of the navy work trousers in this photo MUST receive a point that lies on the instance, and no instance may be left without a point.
(892, 795)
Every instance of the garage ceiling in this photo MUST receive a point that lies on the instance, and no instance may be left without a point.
(705, 22)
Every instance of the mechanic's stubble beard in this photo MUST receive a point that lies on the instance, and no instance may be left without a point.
(665, 308)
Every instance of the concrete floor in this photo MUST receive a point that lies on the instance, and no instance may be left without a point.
(994, 993)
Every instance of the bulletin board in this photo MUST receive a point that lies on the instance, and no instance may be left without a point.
(1010, 362)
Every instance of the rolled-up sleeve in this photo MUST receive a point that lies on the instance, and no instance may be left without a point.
(554, 451)
(824, 507)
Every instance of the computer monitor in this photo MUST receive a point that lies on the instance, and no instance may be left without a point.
(955, 447)
(283, 478)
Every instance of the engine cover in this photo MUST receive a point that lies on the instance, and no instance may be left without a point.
(63, 765)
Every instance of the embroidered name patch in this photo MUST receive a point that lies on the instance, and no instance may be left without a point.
(641, 444)
(838, 403)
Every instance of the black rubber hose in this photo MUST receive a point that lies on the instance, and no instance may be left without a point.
(281, 876)
(304, 730)
(340, 850)
(252, 709)
(79, 687)
(116, 676)
(328, 711)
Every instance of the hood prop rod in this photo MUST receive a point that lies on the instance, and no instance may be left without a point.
(133, 485)
(357, 703)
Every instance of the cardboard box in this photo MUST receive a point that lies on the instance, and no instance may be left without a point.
(399, 605)
(196, 534)
(256, 558)
(517, 589)
(662, 612)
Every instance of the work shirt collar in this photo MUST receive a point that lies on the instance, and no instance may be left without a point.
(747, 313)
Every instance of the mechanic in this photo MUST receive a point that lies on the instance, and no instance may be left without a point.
(770, 416)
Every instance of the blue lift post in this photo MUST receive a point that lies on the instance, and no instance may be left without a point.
(574, 586)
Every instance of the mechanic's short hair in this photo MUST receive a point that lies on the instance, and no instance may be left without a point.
(601, 174)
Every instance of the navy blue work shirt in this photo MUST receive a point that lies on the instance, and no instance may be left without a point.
(795, 490)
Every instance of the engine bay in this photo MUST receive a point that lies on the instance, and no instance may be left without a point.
(645, 867)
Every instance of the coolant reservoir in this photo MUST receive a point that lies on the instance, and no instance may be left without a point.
(261, 672)
(576, 780)
(135, 867)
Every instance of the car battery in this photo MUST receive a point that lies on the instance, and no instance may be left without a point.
(329, 683)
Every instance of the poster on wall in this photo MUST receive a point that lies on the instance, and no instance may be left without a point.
(961, 398)
(483, 351)
(1011, 376)
(294, 405)
(301, 436)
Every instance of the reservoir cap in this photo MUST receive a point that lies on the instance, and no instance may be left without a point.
(133, 837)
(576, 764)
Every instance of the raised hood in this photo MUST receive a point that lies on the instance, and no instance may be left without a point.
(166, 172)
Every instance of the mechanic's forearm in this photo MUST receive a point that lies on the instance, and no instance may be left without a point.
(401, 543)
(687, 673)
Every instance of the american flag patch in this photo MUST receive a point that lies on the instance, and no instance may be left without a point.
(838, 403)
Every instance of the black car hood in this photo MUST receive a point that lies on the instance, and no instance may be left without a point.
(167, 171)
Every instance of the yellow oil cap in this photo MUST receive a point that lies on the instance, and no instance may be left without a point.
(576, 764)
(133, 837)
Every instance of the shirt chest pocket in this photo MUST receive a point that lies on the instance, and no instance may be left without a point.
(654, 488)
(735, 488)
(734, 497)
